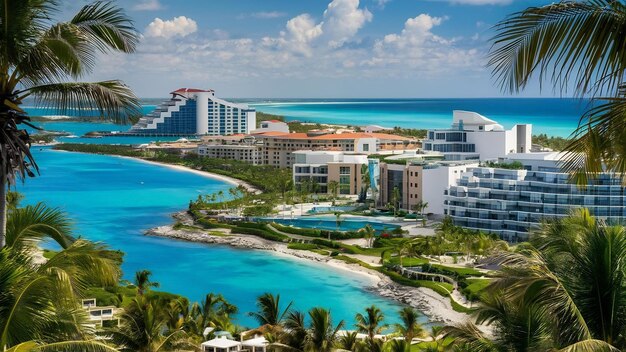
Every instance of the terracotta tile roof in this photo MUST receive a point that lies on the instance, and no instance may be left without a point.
(332, 136)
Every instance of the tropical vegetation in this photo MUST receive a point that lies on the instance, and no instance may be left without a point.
(40, 59)
(574, 46)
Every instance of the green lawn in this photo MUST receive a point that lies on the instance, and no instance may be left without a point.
(459, 271)
(409, 261)
(475, 288)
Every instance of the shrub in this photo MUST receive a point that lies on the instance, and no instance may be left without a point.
(272, 236)
(302, 246)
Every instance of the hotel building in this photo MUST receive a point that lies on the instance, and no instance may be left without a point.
(510, 203)
(419, 180)
(276, 148)
(196, 112)
(323, 167)
(475, 137)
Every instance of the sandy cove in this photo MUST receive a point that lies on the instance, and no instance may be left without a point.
(434, 306)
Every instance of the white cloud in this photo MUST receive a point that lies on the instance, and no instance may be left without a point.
(264, 15)
(148, 5)
(178, 26)
(416, 47)
(342, 20)
(382, 3)
(482, 2)
(322, 46)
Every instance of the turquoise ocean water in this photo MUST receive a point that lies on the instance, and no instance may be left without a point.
(114, 200)
(558, 117)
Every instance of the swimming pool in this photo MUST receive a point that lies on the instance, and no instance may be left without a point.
(329, 223)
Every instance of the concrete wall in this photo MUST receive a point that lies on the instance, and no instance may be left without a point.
(436, 181)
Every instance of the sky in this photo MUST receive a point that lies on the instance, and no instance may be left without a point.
(311, 48)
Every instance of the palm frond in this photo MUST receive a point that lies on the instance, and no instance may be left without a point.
(554, 40)
(61, 51)
(28, 225)
(471, 338)
(107, 27)
(111, 99)
(600, 143)
(78, 346)
(22, 23)
(590, 345)
(86, 263)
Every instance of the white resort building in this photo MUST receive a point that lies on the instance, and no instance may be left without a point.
(475, 137)
(196, 112)
(511, 202)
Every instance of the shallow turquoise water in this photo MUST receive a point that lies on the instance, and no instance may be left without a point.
(115, 199)
(558, 117)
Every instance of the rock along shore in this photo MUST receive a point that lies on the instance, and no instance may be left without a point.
(436, 307)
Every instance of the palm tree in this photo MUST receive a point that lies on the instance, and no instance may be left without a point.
(322, 335)
(144, 329)
(143, 283)
(371, 322)
(565, 289)
(401, 247)
(39, 303)
(576, 46)
(349, 342)
(270, 313)
(368, 234)
(398, 346)
(395, 200)
(338, 216)
(40, 59)
(212, 309)
(285, 184)
(333, 188)
(410, 326)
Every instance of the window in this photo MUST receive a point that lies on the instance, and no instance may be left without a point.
(366, 147)
(344, 170)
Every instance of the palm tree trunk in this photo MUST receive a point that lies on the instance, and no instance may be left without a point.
(3, 210)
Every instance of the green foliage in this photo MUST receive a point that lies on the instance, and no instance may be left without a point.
(302, 246)
(475, 288)
(263, 233)
(552, 142)
(514, 165)
(451, 271)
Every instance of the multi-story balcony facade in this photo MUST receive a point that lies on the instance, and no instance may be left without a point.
(511, 203)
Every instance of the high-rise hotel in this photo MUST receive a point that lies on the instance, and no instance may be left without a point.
(196, 112)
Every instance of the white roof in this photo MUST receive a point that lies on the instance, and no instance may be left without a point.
(221, 343)
(552, 156)
(255, 342)
(470, 118)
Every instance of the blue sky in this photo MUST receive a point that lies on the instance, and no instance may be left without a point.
(312, 48)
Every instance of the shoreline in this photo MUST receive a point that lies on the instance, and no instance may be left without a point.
(231, 180)
(436, 308)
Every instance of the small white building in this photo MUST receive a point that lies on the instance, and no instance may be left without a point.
(221, 344)
(475, 137)
(257, 344)
(272, 126)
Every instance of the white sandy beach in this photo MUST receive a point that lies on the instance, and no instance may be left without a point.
(436, 307)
